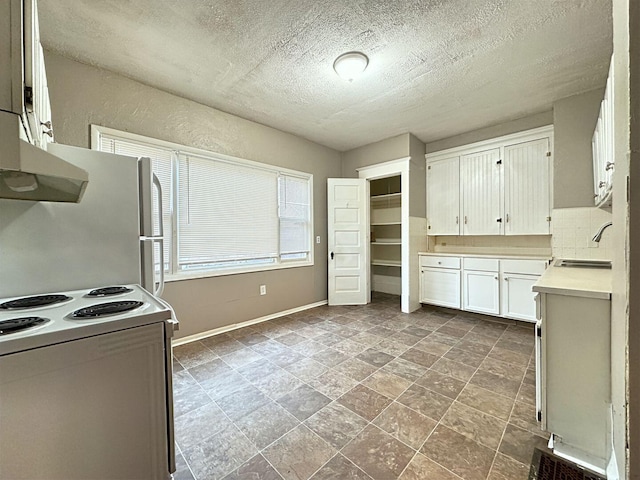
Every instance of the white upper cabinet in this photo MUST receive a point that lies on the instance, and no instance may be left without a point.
(502, 187)
(443, 198)
(603, 148)
(480, 183)
(527, 180)
(23, 89)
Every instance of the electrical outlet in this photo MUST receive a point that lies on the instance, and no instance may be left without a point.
(318, 239)
(263, 289)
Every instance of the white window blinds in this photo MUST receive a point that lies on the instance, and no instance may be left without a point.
(227, 214)
(223, 214)
(162, 168)
(295, 211)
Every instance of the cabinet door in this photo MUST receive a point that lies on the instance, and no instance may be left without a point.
(518, 300)
(481, 292)
(443, 197)
(35, 80)
(440, 286)
(527, 168)
(481, 193)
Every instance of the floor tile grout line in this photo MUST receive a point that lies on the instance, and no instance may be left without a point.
(235, 368)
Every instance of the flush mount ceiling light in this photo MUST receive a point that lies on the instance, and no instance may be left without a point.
(351, 65)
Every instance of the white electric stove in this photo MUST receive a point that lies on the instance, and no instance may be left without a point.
(40, 320)
(83, 373)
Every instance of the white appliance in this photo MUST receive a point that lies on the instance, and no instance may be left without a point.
(85, 389)
(110, 237)
(75, 393)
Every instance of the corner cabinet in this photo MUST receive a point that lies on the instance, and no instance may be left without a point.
(495, 187)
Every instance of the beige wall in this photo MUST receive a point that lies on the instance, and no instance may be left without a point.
(574, 119)
(393, 148)
(519, 125)
(417, 178)
(378, 152)
(82, 95)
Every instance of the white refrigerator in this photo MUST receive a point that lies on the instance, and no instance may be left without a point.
(113, 236)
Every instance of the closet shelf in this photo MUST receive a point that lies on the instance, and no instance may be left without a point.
(379, 224)
(386, 196)
(386, 263)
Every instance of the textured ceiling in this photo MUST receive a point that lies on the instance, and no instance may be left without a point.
(437, 67)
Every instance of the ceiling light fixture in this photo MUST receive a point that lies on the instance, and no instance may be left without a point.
(350, 65)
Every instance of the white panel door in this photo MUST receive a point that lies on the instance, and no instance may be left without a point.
(481, 185)
(440, 286)
(518, 298)
(347, 202)
(443, 197)
(481, 292)
(527, 177)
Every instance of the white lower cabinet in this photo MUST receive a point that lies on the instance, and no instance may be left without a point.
(492, 286)
(518, 300)
(575, 365)
(480, 285)
(440, 281)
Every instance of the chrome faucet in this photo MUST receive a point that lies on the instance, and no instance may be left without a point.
(598, 236)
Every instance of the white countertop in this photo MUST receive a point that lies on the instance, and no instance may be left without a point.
(576, 282)
(486, 255)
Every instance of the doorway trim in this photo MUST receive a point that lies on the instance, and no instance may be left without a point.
(393, 168)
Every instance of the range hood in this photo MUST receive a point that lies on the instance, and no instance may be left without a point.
(30, 173)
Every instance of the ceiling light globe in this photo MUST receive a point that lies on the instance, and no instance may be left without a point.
(350, 65)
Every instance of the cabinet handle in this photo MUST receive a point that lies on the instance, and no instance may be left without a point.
(506, 218)
(499, 220)
(602, 184)
(465, 219)
(609, 166)
(457, 220)
(331, 255)
(48, 132)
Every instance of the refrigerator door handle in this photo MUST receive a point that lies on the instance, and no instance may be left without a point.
(156, 182)
(160, 289)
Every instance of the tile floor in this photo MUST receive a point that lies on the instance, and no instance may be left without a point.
(359, 393)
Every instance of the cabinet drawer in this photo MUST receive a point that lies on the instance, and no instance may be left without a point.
(441, 262)
(485, 264)
(527, 267)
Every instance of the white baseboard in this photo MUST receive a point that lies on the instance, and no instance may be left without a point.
(227, 328)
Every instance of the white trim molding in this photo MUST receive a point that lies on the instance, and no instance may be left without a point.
(227, 328)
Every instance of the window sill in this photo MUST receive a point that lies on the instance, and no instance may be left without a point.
(221, 273)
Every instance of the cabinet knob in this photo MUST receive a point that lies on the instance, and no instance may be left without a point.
(602, 184)
(499, 220)
(609, 166)
(46, 124)
(439, 263)
(495, 278)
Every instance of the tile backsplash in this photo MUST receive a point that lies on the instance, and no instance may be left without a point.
(572, 230)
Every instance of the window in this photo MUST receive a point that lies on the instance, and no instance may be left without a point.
(223, 214)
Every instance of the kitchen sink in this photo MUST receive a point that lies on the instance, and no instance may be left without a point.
(606, 264)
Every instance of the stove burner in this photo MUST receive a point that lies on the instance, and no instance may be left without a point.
(104, 309)
(108, 291)
(16, 325)
(33, 302)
